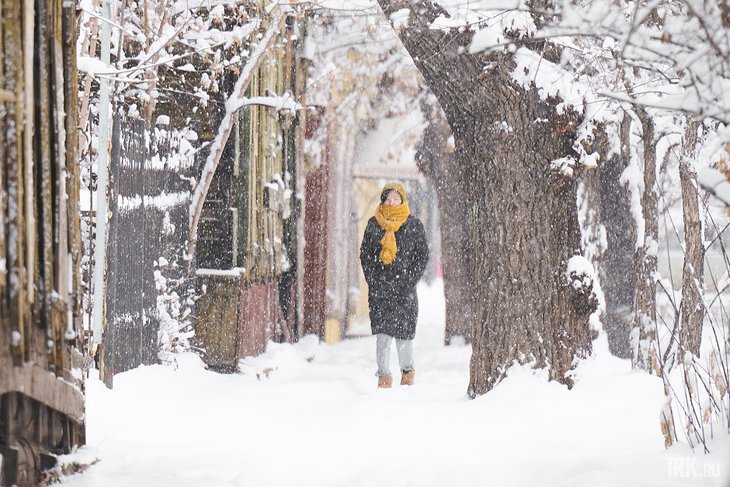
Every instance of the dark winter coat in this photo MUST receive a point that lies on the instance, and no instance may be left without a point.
(392, 288)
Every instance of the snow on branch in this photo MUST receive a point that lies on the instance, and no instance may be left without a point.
(670, 56)
(284, 102)
(716, 183)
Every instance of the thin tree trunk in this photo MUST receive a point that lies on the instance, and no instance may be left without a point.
(644, 324)
(693, 310)
(521, 211)
(152, 73)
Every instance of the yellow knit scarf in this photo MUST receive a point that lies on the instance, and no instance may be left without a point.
(390, 219)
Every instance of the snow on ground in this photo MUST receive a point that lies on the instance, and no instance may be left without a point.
(310, 415)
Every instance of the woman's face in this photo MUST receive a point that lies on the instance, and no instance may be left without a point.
(393, 198)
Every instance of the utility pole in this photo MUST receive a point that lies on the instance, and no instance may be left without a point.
(102, 177)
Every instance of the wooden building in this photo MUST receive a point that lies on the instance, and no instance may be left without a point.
(247, 247)
(41, 388)
(278, 236)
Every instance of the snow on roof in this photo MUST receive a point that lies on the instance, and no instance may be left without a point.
(389, 144)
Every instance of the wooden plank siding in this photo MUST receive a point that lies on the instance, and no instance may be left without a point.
(258, 309)
(146, 189)
(16, 304)
(315, 250)
(41, 398)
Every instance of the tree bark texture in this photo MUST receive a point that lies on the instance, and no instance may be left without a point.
(645, 258)
(522, 222)
(693, 309)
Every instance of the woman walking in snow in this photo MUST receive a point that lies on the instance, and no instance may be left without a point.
(393, 255)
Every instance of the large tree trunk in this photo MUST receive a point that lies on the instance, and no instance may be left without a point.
(521, 209)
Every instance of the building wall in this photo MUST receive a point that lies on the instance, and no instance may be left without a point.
(257, 188)
(41, 398)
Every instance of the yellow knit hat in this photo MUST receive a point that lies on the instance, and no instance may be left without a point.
(394, 185)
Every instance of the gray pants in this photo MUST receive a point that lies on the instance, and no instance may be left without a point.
(382, 350)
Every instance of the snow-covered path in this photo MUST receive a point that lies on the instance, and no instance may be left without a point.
(313, 417)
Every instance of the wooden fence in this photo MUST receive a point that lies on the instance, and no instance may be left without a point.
(149, 215)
